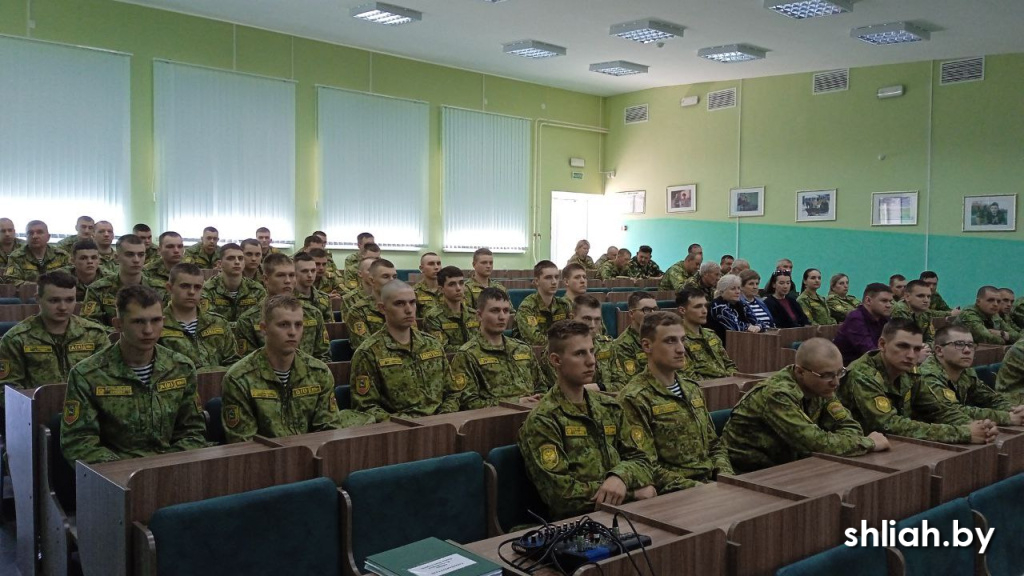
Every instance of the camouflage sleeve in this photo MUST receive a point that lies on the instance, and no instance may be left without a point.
(366, 383)
(189, 424)
(527, 325)
(1017, 313)
(638, 418)
(719, 452)
(607, 271)
(237, 413)
(939, 304)
(327, 416)
(540, 385)
(635, 467)
(1009, 327)
(969, 319)
(80, 426)
(322, 345)
(727, 362)
(982, 401)
(450, 401)
(432, 324)
(1010, 379)
(785, 416)
(547, 374)
(13, 274)
(12, 366)
(92, 309)
(879, 415)
(226, 348)
(468, 381)
(357, 331)
(245, 336)
(547, 465)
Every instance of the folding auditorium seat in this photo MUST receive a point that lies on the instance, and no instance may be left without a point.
(1002, 505)
(516, 496)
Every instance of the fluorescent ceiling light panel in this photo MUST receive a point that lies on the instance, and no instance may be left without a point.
(801, 9)
(533, 49)
(618, 68)
(646, 31)
(893, 33)
(732, 53)
(388, 14)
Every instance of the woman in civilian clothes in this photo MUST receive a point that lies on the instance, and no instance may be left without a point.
(786, 312)
(729, 311)
(749, 286)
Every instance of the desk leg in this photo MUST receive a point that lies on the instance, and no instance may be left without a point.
(24, 472)
(102, 534)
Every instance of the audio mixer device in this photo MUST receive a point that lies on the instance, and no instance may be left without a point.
(568, 546)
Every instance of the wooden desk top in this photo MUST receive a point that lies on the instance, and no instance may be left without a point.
(815, 476)
(316, 439)
(458, 419)
(119, 472)
(906, 454)
(738, 380)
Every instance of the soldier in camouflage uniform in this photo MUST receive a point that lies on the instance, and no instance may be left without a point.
(364, 292)
(491, 368)
(42, 349)
(581, 257)
(100, 304)
(85, 228)
(840, 302)
(350, 276)
(1010, 379)
(280, 390)
(9, 242)
(85, 267)
(364, 317)
(707, 356)
(145, 233)
(279, 278)
(1006, 298)
(579, 448)
(885, 394)
(983, 319)
(204, 337)
(329, 265)
(252, 252)
(914, 307)
(328, 280)
(540, 310)
(311, 298)
(229, 294)
(949, 377)
(350, 268)
(263, 237)
(609, 254)
(26, 263)
(428, 292)
(679, 273)
(400, 371)
(204, 253)
(671, 423)
(641, 265)
(938, 305)
(706, 280)
(133, 398)
(814, 305)
(158, 272)
(617, 268)
(453, 322)
(629, 353)
(104, 237)
(483, 265)
(795, 413)
(608, 372)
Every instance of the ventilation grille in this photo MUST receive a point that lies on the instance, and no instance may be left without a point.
(966, 70)
(722, 99)
(636, 114)
(831, 81)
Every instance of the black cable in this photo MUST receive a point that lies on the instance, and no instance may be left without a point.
(643, 548)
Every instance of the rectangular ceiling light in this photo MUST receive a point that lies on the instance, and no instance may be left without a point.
(809, 8)
(646, 31)
(618, 68)
(388, 14)
(732, 53)
(533, 49)
(893, 33)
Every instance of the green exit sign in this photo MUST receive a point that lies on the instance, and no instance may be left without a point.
(577, 175)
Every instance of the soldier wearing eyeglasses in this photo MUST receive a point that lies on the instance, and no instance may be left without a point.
(950, 378)
(795, 413)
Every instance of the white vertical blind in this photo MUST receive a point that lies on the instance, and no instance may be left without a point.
(486, 181)
(224, 152)
(373, 167)
(65, 134)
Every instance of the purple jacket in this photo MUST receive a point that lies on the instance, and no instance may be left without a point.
(858, 334)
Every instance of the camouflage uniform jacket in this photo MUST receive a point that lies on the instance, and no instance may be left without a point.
(939, 305)
(775, 423)
(968, 393)
(217, 299)
(249, 335)
(256, 402)
(1010, 379)
(923, 319)
(109, 414)
(676, 432)
(152, 254)
(318, 302)
(570, 450)
(212, 347)
(363, 320)
(629, 354)
(815, 308)
(979, 324)
(408, 380)
(349, 278)
(486, 375)
(586, 261)
(533, 318)
(80, 287)
(195, 254)
(68, 244)
(608, 374)
(609, 271)
(330, 282)
(648, 270)
(697, 283)
(453, 330)
(426, 298)
(675, 277)
(600, 261)
(23, 267)
(897, 408)
(840, 306)
(349, 299)
(108, 263)
(706, 355)
(1017, 313)
(474, 288)
(4, 256)
(157, 275)
(100, 304)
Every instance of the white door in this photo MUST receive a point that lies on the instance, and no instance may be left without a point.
(577, 216)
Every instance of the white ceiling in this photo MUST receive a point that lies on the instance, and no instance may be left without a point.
(469, 33)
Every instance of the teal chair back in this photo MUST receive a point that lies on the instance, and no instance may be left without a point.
(290, 529)
(841, 561)
(341, 350)
(1002, 505)
(397, 505)
(517, 295)
(931, 560)
(5, 326)
(610, 316)
(986, 375)
(719, 418)
(215, 427)
(517, 496)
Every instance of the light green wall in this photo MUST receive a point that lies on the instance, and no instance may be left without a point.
(945, 141)
(147, 34)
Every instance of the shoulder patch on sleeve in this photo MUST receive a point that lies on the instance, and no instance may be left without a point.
(88, 308)
(837, 410)
(882, 404)
(459, 382)
(949, 394)
(231, 416)
(362, 385)
(629, 366)
(72, 411)
(548, 456)
(5, 368)
(359, 328)
(637, 434)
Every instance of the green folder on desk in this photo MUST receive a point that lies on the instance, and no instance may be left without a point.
(430, 557)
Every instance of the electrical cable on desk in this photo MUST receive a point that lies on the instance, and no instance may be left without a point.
(615, 524)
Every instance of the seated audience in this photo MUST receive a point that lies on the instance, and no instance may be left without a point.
(914, 306)
(860, 332)
(540, 310)
(707, 356)
(839, 301)
(581, 256)
(706, 280)
(204, 337)
(814, 306)
(641, 265)
(749, 282)
(786, 312)
(983, 320)
(729, 310)
(452, 322)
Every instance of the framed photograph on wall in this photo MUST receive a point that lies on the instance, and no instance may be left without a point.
(815, 205)
(681, 198)
(745, 202)
(632, 202)
(894, 208)
(990, 213)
